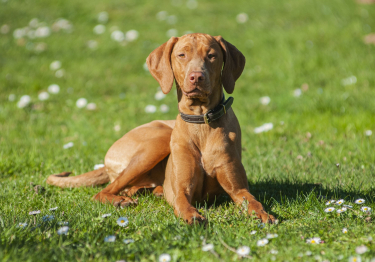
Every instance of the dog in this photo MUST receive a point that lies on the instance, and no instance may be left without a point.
(194, 158)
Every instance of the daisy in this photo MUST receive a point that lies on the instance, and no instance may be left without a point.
(344, 230)
(308, 253)
(297, 92)
(341, 210)
(106, 215)
(243, 251)
(97, 166)
(162, 15)
(150, 109)
(262, 242)
(207, 247)
(55, 65)
(122, 221)
(347, 206)
(314, 240)
(43, 96)
(99, 29)
(91, 106)
(82, 102)
(53, 209)
(34, 212)
(330, 202)
(261, 225)
(159, 95)
(128, 241)
(110, 238)
(63, 230)
(270, 236)
(329, 209)
(24, 101)
(360, 201)
(366, 209)
(60, 73)
(164, 258)
(22, 225)
(131, 35)
(368, 133)
(355, 259)
(54, 89)
(265, 100)
(118, 36)
(164, 108)
(339, 202)
(12, 97)
(274, 251)
(253, 232)
(68, 145)
(172, 32)
(63, 223)
(242, 18)
(191, 4)
(48, 218)
(103, 17)
(263, 128)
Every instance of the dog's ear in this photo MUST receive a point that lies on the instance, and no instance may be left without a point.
(159, 65)
(234, 63)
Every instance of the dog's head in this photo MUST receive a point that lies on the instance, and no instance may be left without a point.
(195, 61)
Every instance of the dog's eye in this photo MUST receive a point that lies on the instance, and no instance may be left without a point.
(182, 55)
(211, 56)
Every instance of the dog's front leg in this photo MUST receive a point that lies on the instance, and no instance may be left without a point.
(186, 177)
(232, 177)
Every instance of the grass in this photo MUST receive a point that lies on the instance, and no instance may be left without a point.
(291, 169)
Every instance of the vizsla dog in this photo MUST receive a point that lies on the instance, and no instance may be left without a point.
(191, 159)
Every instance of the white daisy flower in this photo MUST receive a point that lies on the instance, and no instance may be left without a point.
(92, 44)
(131, 35)
(164, 258)
(24, 101)
(263, 128)
(270, 236)
(355, 259)
(172, 19)
(55, 65)
(43, 96)
(329, 209)
(164, 108)
(208, 247)
(63, 223)
(297, 92)
(308, 253)
(191, 4)
(4, 29)
(361, 249)
(54, 89)
(243, 251)
(365, 209)
(91, 106)
(60, 73)
(12, 97)
(261, 225)
(22, 225)
(344, 230)
(97, 166)
(253, 232)
(99, 29)
(103, 17)
(360, 201)
(150, 109)
(347, 206)
(242, 18)
(262, 242)
(314, 240)
(341, 210)
(162, 15)
(19, 33)
(349, 81)
(265, 100)
(368, 132)
(274, 251)
(117, 128)
(47, 218)
(330, 202)
(159, 95)
(118, 36)
(81, 102)
(128, 241)
(63, 230)
(122, 221)
(68, 145)
(172, 32)
(53, 209)
(34, 212)
(42, 31)
(340, 202)
(145, 67)
(111, 238)
(106, 215)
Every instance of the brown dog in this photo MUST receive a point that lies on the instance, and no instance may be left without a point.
(185, 160)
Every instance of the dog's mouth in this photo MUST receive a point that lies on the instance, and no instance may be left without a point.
(195, 93)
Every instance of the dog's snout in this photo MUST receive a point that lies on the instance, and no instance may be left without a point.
(196, 77)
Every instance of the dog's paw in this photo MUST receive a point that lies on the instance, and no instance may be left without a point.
(192, 217)
(117, 201)
(255, 208)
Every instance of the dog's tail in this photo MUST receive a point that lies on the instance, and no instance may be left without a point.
(92, 178)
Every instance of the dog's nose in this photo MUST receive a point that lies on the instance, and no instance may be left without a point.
(196, 77)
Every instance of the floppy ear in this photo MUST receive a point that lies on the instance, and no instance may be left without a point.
(159, 65)
(234, 63)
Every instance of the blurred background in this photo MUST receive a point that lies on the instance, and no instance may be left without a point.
(73, 80)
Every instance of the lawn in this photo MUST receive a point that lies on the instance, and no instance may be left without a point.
(306, 58)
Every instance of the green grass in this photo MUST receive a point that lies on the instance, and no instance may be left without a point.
(286, 43)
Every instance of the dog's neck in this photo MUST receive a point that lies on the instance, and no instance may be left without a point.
(199, 105)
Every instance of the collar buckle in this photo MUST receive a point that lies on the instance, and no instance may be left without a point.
(206, 118)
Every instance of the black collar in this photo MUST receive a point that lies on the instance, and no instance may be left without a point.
(211, 115)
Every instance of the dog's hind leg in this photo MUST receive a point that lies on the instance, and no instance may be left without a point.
(92, 178)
